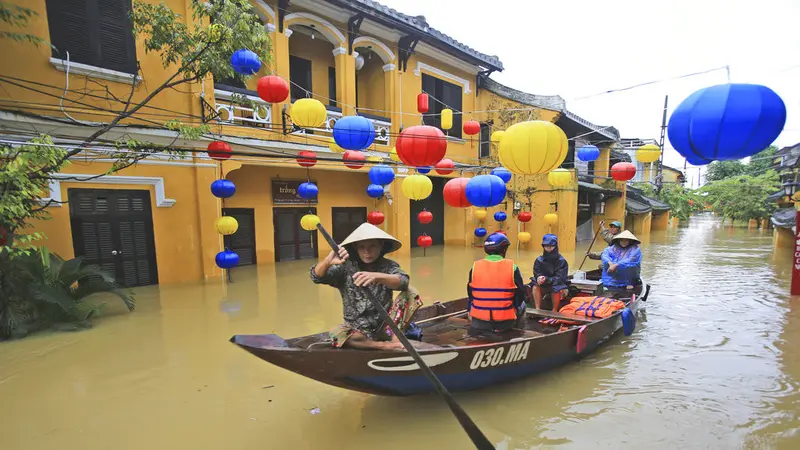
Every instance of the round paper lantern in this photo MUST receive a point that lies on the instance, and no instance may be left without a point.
(417, 187)
(375, 218)
(523, 237)
(480, 232)
(588, 153)
(501, 232)
(245, 62)
(486, 190)
(375, 190)
(425, 217)
(479, 214)
(623, 171)
(455, 193)
(309, 222)
(532, 148)
(381, 174)
(223, 188)
(648, 153)
(354, 132)
(272, 89)
(393, 155)
(335, 148)
(496, 136)
(447, 119)
(472, 127)
(306, 158)
(551, 218)
(500, 216)
(353, 159)
(227, 259)
(422, 103)
(424, 170)
(219, 150)
(726, 122)
(503, 173)
(308, 113)
(226, 225)
(559, 177)
(445, 166)
(307, 190)
(524, 216)
(421, 145)
(424, 241)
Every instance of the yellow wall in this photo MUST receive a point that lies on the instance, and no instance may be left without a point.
(371, 87)
(783, 238)
(319, 52)
(639, 224)
(660, 222)
(669, 175)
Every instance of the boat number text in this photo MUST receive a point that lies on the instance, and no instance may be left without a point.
(500, 355)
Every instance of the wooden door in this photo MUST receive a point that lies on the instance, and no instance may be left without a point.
(243, 242)
(291, 241)
(346, 220)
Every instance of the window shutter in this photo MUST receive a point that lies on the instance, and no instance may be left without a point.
(429, 86)
(453, 98)
(68, 22)
(117, 49)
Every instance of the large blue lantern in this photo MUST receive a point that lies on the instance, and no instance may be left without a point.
(223, 188)
(726, 122)
(307, 190)
(485, 191)
(503, 173)
(375, 190)
(588, 153)
(227, 259)
(381, 174)
(245, 62)
(480, 232)
(500, 216)
(354, 132)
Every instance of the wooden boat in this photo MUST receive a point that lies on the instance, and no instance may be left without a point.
(461, 361)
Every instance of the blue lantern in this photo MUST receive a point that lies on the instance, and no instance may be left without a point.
(588, 153)
(424, 169)
(354, 132)
(223, 188)
(503, 173)
(628, 321)
(381, 174)
(500, 216)
(480, 232)
(726, 122)
(307, 190)
(375, 190)
(245, 62)
(227, 259)
(485, 191)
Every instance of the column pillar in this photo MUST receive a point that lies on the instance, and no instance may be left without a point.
(345, 80)
(389, 83)
(280, 64)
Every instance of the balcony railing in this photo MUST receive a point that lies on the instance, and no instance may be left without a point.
(230, 111)
(382, 126)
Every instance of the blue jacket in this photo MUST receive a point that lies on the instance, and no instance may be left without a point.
(629, 262)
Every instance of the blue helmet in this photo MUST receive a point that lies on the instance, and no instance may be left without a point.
(550, 239)
(496, 244)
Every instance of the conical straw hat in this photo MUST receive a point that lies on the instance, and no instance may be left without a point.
(626, 235)
(367, 231)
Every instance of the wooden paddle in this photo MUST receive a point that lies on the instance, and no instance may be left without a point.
(472, 430)
(590, 247)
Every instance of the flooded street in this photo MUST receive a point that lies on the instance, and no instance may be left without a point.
(716, 365)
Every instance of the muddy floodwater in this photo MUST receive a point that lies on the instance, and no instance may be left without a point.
(715, 365)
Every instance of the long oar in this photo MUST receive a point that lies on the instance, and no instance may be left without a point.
(472, 430)
(590, 247)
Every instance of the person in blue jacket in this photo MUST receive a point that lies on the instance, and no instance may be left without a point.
(550, 274)
(622, 262)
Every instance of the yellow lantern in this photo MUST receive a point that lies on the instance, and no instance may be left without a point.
(308, 113)
(648, 153)
(532, 148)
(479, 214)
(417, 187)
(447, 119)
(374, 159)
(227, 225)
(524, 237)
(309, 222)
(551, 218)
(559, 177)
(497, 135)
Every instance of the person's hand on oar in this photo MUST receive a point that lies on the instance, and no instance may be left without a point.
(335, 259)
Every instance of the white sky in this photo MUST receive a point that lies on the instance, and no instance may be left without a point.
(583, 47)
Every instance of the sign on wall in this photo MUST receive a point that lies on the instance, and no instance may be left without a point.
(284, 192)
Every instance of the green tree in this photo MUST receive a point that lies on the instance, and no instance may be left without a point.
(720, 170)
(761, 162)
(15, 16)
(743, 197)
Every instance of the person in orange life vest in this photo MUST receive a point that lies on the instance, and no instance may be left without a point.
(550, 272)
(496, 289)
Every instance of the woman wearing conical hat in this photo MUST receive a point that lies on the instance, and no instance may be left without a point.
(622, 262)
(361, 270)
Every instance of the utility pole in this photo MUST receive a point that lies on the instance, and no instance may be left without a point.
(659, 170)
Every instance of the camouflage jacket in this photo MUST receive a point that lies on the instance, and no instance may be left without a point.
(607, 235)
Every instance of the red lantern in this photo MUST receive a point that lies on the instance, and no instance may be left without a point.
(623, 171)
(691, 202)
(424, 241)
(445, 166)
(306, 158)
(422, 103)
(272, 89)
(354, 159)
(524, 216)
(219, 150)
(421, 145)
(375, 217)
(455, 193)
(472, 127)
(425, 217)
(501, 232)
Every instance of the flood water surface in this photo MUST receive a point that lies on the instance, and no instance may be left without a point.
(715, 364)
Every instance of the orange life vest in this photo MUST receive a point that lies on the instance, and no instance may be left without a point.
(493, 290)
(594, 307)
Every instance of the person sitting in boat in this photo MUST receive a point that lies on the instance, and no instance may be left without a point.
(496, 289)
(607, 234)
(622, 262)
(359, 271)
(550, 274)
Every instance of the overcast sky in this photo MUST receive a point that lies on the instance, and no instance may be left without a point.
(583, 47)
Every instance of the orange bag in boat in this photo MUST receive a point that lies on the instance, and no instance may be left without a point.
(593, 307)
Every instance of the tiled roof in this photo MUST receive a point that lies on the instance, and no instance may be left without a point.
(637, 207)
(551, 102)
(591, 187)
(784, 218)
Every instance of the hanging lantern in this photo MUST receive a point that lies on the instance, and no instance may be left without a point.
(417, 187)
(272, 89)
(523, 237)
(648, 153)
(501, 232)
(307, 190)
(223, 188)
(353, 159)
(354, 132)
(472, 127)
(308, 113)
(623, 171)
(422, 103)
(559, 177)
(227, 259)
(445, 166)
(309, 222)
(524, 216)
(726, 122)
(335, 148)
(393, 155)
(306, 158)
(503, 173)
(480, 232)
(500, 216)
(455, 193)
(532, 148)
(551, 218)
(375, 218)
(381, 174)
(375, 190)
(421, 145)
(219, 150)
(226, 225)
(479, 214)
(486, 190)
(425, 217)
(245, 62)
(447, 119)
(588, 153)
(424, 241)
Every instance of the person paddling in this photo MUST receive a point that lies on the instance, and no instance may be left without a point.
(607, 234)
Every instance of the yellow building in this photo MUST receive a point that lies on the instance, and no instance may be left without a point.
(154, 222)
